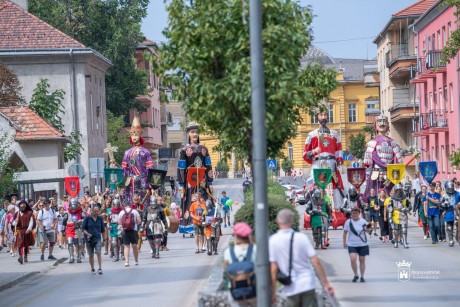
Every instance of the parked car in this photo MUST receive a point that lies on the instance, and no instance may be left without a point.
(300, 199)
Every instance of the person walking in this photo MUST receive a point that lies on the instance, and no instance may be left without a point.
(293, 254)
(93, 228)
(225, 209)
(419, 201)
(355, 239)
(130, 236)
(47, 222)
(431, 210)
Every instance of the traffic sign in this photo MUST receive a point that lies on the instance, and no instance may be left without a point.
(271, 164)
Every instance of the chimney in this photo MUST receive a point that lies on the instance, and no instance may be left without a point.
(24, 4)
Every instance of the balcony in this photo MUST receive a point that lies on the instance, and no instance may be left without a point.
(166, 118)
(403, 109)
(433, 122)
(396, 53)
(434, 61)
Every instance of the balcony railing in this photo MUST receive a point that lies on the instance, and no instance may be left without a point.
(434, 59)
(433, 119)
(396, 52)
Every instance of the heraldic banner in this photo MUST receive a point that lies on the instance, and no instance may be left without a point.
(322, 177)
(395, 172)
(113, 177)
(156, 177)
(429, 170)
(195, 175)
(356, 176)
(72, 185)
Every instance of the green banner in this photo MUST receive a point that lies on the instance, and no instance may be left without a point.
(113, 177)
(322, 177)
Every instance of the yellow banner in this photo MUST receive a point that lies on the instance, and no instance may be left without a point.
(395, 172)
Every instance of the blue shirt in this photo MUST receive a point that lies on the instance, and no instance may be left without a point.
(450, 214)
(94, 227)
(223, 201)
(433, 209)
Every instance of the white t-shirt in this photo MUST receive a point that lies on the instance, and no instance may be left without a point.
(47, 217)
(417, 186)
(354, 240)
(302, 273)
(240, 253)
(135, 212)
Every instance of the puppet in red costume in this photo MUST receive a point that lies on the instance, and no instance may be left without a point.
(73, 231)
(323, 149)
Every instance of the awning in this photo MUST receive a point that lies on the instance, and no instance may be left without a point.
(407, 158)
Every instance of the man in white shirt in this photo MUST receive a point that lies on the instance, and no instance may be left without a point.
(47, 222)
(416, 184)
(130, 237)
(354, 237)
(301, 292)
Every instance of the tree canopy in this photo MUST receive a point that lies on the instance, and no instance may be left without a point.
(111, 27)
(358, 145)
(207, 60)
(453, 43)
(10, 88)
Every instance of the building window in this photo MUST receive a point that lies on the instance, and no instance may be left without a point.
(313, 118)
(441, 100)
(451, 98)
(175, 124)
(435, 100)
(290, 151)
(331, 113)
(431, 101)
(352, 112)
(443, 159)
(445, 99)
(447, 158)
(444, 37)
(454, 169)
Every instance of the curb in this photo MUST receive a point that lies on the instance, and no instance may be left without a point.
(16, 281)
(22, 278)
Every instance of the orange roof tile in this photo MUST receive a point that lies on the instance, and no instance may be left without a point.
(417, 8)
(22, 30)
(32, 126)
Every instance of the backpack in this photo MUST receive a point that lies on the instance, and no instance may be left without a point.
(127, 220)
(242, 276)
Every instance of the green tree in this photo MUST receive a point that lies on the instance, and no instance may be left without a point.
(358, 145)
(117, 136)
(111, 27)
(208, 64)
(453, 43)
(7, 180)
(49, 107)
(287, 166)
(10, 88)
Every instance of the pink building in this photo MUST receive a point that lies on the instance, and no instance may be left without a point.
(437, 88)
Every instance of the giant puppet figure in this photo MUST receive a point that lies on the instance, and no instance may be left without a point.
(323, 149)
(380, 151)
(136, 163)
(193, 156)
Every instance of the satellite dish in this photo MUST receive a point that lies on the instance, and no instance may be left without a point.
(77, 169)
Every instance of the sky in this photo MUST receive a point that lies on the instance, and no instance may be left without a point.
(343, 28)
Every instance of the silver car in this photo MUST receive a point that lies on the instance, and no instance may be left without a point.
(300, 199)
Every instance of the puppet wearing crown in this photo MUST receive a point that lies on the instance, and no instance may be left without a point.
(136, 163)
(194, 165)
(380, 151)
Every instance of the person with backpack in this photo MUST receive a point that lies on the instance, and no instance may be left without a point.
(47, 222)
(355, 239)
(130, 220)
(292, 259)
(24, 223)
(239, 265)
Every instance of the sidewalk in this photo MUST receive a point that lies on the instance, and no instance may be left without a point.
(14, 273)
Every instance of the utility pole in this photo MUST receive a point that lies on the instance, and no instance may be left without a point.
(259, 154)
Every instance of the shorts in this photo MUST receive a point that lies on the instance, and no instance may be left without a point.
(360, 250)
(48, 236)
(130, 237)
(374, 216)
(74, 241)
(94, 248)
(199, 230)
(226, 213)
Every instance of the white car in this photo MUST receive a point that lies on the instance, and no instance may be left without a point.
(300, 199)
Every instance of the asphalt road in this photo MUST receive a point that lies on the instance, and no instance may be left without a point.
(173, 280)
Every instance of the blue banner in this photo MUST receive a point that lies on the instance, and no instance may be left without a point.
(428, 170)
